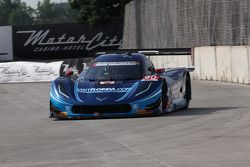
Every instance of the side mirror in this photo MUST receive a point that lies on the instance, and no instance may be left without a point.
(69, 73)
(160, 70)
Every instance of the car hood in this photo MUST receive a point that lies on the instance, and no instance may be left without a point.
(108, 93)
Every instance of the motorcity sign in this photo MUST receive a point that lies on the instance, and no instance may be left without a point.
(65, 40)
(41, 41)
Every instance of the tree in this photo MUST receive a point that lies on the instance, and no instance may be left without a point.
(52, 13)
(45, 12)
(22, 15)
(5, 10)
(64, 13)
(15, 12)
(92, 11)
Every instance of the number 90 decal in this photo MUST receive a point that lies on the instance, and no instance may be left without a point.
(151, 78)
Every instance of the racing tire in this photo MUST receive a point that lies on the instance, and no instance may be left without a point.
(51, 109)
(166, 101)
(187, 92)
(164, 98)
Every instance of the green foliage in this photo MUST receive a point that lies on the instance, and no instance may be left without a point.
(45, 12)
(51, 13)
(93, 11)
(15, 12)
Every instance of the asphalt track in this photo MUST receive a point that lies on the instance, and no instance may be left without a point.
(214, 132)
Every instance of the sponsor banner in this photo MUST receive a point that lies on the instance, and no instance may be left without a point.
(66, 41)
(29, 71)
(6, 47)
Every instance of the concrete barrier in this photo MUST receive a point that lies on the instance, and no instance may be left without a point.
(171, 61)
(222, 63)
(205, 65)
(224, 72)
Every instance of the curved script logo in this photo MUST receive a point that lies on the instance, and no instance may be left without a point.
(44, 42)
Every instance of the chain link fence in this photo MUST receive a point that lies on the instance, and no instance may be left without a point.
(186, 23)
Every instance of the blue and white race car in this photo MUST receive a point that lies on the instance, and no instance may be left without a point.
(120, 85)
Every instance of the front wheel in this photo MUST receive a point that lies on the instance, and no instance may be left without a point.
(51, 109)
(187, 95)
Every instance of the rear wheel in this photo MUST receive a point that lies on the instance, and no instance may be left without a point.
(187, 95)
(166, 101)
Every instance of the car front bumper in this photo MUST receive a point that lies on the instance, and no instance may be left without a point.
(144, 107)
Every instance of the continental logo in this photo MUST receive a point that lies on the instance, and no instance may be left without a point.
(104, 90)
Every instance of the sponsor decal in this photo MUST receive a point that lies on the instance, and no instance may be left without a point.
(121, 63)
(107, 82)
(151, 78)
(103, 90)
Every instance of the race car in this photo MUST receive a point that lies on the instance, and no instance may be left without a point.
(120, 85)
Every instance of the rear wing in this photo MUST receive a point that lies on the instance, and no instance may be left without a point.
(172, 52)
(168, 51)
(158, 52)
(190, 69)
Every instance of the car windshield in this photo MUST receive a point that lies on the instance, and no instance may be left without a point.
(113, 71)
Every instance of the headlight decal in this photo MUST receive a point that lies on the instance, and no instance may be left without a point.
(132, 89)
(57, 100)
(157, 93)
(61, 92)
(153, 95)
(144, 90)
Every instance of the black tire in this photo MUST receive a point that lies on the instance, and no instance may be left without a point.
(166, 102)
(164, 98)
(186, 106)
(187, 91)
